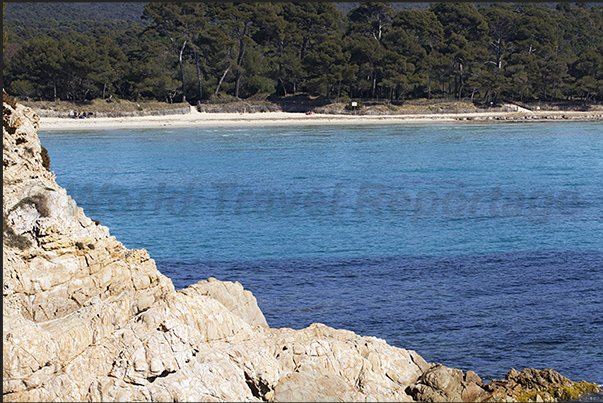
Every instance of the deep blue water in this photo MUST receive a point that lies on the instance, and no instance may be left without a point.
(478, 246)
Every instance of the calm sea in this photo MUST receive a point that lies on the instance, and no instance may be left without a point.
(479, 246)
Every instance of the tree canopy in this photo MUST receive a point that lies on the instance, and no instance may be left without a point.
(197, 51)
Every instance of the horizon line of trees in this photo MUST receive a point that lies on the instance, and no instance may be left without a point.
(193, 52)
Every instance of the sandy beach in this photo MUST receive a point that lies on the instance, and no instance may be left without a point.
(202, 119)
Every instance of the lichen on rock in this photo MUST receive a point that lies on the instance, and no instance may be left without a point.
(86, 319)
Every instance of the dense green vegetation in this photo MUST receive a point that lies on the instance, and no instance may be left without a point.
(200, 51)
(29, 13)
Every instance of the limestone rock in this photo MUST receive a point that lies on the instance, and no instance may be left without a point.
(233, 296)
(530, 378)
(443, 384)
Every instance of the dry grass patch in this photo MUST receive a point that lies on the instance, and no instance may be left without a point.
(102, 106)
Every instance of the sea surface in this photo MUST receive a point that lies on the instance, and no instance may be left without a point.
(480, 246)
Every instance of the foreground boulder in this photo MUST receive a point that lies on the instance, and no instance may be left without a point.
(86, 319)
(443, 384)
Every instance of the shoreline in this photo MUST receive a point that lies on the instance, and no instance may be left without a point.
(206, 119)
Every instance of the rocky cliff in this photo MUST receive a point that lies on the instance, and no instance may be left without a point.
(86, 319)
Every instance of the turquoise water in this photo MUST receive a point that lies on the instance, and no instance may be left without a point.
(478, 246)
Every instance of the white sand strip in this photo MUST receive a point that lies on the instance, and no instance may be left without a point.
(202, 119)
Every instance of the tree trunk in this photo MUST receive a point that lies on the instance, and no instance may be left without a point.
(54, 87)
(374, 83)
(461, 83)
(73, 88)
(104, 89)
(182, 72)
(199, 75)
(498, 46)
(402, 93)
(222, 79)
(456, 86)
(242, 48)
(280, 75)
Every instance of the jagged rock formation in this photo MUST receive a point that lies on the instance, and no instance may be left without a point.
(86, 319)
